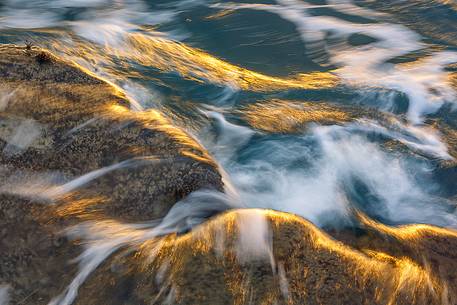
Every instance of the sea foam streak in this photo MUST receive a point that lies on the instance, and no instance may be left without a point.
(286, 174)
(103, 238)
(425, 83)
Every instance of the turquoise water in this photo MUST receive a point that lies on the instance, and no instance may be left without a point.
(311, 107)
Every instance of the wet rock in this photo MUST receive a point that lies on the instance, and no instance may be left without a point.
(305, 266)
(78, 124)
(72, 150)
(32, 265)
(93, 160)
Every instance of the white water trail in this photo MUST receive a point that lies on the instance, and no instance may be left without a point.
(230, 137)
(425, 83)
(285, 174)
(398, 197)
(4, 294)
(58, 191)
(50, 186)
(255, 237)
(103, 21)
(5, 98)
(283, 282)
(422, 139)
(103, 238)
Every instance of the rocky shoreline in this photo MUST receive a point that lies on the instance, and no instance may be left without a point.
(74, 153)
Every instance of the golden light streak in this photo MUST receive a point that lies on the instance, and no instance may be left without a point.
(154, 120)
(191, 63)
(393, 279)
(286, 116)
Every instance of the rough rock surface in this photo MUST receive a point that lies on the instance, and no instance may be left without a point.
(295, 264)
(72, 153)
(58, 118)
(71, 149)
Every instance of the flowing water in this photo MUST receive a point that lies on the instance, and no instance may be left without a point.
(309, 107)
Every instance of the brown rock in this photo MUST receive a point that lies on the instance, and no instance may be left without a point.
(309, 267)
(59, 123)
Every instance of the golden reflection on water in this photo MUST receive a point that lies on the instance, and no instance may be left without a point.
(221, 13)
(288, 117)
(154, 120)
(191, 63)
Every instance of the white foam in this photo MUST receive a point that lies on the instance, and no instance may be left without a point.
(319, 191)
(5, 99)
(28, 184)
(422, 139)
(283, 282)
(103, 21)
(348, 7)
(55, 192)
(4, 294)
(230, 136)
(22, 137)
(105, 31)
(255, 237)
(104, 237)
(425, 83)
(49, 186)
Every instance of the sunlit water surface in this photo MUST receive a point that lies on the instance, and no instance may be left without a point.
(309, 107)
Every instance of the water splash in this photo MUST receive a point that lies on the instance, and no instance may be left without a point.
(284, 173)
